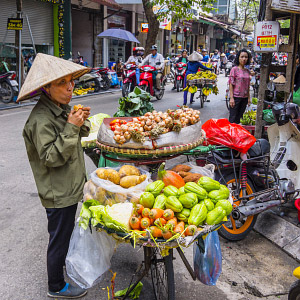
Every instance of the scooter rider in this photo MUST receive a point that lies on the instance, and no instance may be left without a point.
(155, 60)
(216, 57)
(135, 57)
(183, 59)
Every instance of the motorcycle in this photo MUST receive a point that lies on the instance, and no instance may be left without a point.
(228, 68)
(8, 84)
(105, 80)
(214, 63)
(294, 292)
(129, 79)
(146, 82)
(268, 177)
(89, 80)
(256, 82)
(180, 70)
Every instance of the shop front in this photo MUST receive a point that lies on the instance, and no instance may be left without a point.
(40, 19)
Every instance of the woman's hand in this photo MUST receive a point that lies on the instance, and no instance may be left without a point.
(76, 117)
(86, 112)
(232, 103)
(249, 101)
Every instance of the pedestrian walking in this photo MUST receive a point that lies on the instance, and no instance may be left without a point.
(239, 86)
(52, 136)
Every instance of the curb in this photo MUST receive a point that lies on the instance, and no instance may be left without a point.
(280, 232)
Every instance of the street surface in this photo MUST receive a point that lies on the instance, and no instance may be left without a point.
(252, 269)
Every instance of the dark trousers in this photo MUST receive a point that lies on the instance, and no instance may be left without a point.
(236, 112)
(185, 93)
(60, 226)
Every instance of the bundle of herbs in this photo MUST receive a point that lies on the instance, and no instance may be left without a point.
(136, 104)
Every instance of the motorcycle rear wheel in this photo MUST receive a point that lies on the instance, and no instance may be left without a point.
(10, 93)
(178, 86)
(105, 83)
(294, 292)
(236, 230)
(126, 89)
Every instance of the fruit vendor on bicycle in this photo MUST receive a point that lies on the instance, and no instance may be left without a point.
(192, 68)
(52, 136)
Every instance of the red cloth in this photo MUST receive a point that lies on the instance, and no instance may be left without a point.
(222, 132)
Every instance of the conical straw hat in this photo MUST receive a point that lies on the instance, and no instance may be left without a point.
(195, 56)
(44, 70)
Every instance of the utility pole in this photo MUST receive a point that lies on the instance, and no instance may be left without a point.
(18, 45)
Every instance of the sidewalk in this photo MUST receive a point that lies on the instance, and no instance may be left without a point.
(33, 101)
(282, 231)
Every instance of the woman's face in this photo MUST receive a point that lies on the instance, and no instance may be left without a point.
(243, 58)
(184, 54)
(61, 90)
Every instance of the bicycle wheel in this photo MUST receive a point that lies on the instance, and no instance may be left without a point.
(162, 275)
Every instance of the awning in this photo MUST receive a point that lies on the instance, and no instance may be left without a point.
(234, 31)
(211, 22)
(109, 3)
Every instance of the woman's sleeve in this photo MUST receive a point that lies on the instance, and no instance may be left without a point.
(232, 76)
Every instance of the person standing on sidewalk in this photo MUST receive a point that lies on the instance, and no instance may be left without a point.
(239, 86)
(52, 136)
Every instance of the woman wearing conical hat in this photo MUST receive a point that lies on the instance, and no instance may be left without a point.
(52, 136)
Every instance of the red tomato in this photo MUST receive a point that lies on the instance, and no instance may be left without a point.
(114, 122)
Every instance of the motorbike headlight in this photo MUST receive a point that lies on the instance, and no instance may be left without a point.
(128, 67)
(146, 69)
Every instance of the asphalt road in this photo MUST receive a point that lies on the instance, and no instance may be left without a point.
(252, 269)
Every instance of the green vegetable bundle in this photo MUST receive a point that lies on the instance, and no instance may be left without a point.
(136, 104)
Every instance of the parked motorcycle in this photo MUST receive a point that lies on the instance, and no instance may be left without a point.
(268, 177)
(129, 79)
(89, 80)
(105, 80)
(294, 292)
(147, 84)
(228, 68)
(8, 84)
(180, 70)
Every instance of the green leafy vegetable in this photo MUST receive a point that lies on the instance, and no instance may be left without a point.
(85, 213)
(134, 294)
(136, 104)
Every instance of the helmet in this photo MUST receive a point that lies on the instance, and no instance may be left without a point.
(223, 54)
(135, 49)
(204, 50)
(216, 50)
(153, 47)
(231, 52)
(140, 48)
(184, 50)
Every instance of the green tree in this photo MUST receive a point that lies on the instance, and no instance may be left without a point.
(179, 9)
(248, 12)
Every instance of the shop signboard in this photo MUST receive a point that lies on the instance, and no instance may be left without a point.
(144, 27)
(166, 22)
(266, 36)
(14, 24)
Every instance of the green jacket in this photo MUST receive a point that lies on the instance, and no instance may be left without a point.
(55, 153)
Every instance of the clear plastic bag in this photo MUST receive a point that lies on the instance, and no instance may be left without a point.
(89, 256)
(208, 265)
(108, 193)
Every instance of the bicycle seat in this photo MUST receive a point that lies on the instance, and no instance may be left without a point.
(260, 147)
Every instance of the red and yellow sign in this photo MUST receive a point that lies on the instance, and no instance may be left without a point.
(144, 27)
(267, 41)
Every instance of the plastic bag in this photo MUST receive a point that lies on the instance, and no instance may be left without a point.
(268, 116)
(108, 193)
(222, 132)
(89, 256)
(208, 265)
(296, 97)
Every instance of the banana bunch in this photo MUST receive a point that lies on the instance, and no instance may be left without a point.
(202, 74)
(206, 91)
(215, 90)
(209, 65)
(249, 118)
(193, 89)
(82, 91)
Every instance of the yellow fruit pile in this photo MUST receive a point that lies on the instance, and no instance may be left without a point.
(82, 91)
(206, 91)
(202, 74)
(193, 89)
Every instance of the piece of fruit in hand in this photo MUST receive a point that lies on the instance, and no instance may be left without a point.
(77, 107)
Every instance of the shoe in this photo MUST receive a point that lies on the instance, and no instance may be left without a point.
(173, 88)
(68, 292)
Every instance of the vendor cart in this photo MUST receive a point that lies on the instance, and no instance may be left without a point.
(201, 84)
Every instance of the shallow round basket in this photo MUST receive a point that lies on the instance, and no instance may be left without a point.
(145, 153)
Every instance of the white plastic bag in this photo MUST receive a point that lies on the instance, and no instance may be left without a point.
(89, 256)
(108, 193)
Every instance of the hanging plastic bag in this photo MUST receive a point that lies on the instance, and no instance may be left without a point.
(89, 256)
(222, 132)
(208, 265)
(296, 97)
(268, 116)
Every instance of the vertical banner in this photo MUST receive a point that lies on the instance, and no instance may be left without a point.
(166, 22)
